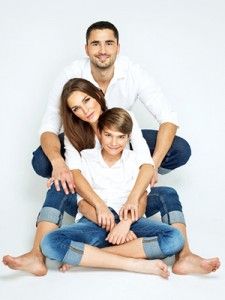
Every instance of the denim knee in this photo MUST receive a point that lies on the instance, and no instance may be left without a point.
(175, 243)
(41, 163)
(166, 201)
(182, 147)
(56, 203)
(57, 246)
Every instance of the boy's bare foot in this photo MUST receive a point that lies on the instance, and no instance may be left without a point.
(194, 264)
(65, 267)
(156, 267)
(30, 262)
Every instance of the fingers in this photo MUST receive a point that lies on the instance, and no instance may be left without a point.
(129, 209)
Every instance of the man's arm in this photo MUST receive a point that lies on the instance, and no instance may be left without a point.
(51, 146)
(164, 141)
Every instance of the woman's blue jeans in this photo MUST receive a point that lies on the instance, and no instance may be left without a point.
(66, 244)
(164, 200)
(177, 156)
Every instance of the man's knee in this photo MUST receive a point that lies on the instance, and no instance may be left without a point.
(41, 163)
(183, 150)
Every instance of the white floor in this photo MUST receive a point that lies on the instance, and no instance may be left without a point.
(206, 234)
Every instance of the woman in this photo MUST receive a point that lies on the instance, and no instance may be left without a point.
(111, 171)
(164, 200)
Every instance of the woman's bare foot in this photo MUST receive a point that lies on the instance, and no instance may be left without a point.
(31, 262)
(155, 267)
(194, 264)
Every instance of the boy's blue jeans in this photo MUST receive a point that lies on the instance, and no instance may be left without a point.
(66, 244)
(177, 156)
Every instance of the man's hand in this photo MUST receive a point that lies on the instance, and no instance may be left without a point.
(129, 207)
(119, 233)
(105, 217)
(61, 173)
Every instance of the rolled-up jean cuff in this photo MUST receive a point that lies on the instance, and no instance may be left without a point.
(50, 214)
(172, 217)
(74, 254)
(151, 248)
(163, 171)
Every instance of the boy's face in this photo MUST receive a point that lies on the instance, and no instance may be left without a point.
(113, 142)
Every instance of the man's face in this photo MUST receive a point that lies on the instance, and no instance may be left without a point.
(102, 48)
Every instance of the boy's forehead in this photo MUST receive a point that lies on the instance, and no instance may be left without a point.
(113, 130)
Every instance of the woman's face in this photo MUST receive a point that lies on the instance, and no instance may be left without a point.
(84, 107)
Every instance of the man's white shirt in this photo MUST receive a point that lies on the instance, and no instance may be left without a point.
(129, 83)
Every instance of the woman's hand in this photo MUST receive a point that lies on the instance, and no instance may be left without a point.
(105, 217)
(119, 233)
(61, 173)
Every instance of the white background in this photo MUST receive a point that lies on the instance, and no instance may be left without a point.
(182, 44)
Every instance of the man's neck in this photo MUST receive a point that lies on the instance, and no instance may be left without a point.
(102, 76)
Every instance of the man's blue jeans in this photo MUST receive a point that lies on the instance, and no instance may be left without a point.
(164, 200)
(67, 243)
(178, 154)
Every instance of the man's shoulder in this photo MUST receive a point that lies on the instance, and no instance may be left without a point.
(125, 64)
(78, 64)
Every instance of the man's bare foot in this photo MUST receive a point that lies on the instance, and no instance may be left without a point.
(194, 264)
(155, 267)
(31, 262)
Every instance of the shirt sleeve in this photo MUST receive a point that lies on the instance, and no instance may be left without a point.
(139, 144)
(51, 120)
(151, 95)
(72, 156)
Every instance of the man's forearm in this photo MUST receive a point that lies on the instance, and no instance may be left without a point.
(51, 146)
(164, 141)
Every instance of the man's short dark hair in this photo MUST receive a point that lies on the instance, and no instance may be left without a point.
(102, 25)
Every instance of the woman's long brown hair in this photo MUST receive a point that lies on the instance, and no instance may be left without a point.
(79, 133)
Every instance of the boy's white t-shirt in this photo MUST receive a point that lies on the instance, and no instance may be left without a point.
(112, 184)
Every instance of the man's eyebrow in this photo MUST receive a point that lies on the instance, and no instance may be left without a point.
(107, 41)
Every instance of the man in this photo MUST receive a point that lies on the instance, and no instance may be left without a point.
(122, 83)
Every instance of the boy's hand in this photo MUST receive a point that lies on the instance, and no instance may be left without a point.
(105, 217)
(119, 233)
(131, 208)
(131, 236)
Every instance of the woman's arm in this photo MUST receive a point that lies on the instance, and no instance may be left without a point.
(105, 218)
